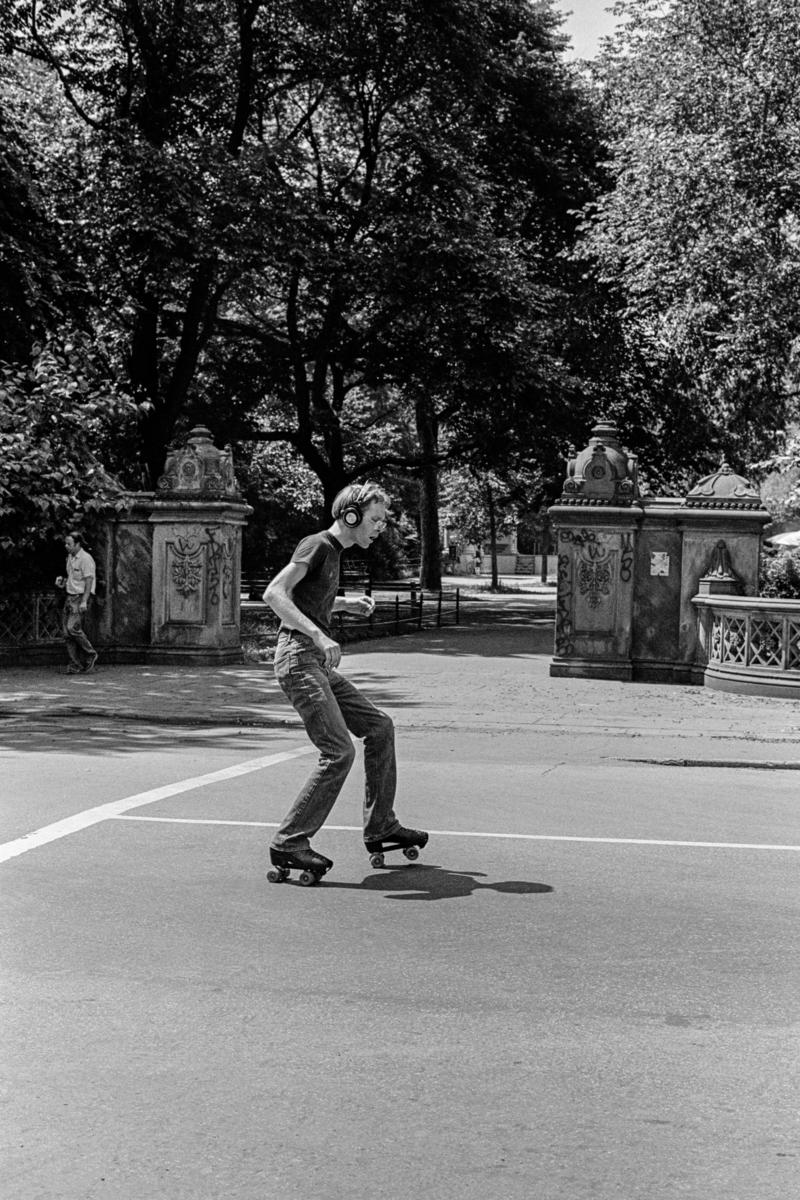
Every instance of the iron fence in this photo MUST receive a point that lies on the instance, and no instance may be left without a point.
(402, 613)
(30, 619)
(393, 614)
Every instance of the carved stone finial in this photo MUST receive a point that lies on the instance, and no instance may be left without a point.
(723, 489)
(198, 469)
(602, 473)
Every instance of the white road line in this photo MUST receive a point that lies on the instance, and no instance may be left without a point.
(520, 837)
(104, 812)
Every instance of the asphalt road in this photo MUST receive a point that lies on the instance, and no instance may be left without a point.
(586, 988)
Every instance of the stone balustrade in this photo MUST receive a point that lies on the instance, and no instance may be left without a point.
(749, 644)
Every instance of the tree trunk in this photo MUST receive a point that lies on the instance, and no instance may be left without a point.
(492, 535)
(430, 571)
(545, 546)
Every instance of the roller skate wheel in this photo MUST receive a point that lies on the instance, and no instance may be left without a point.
(411, 852)
(276, 875)
(308, 878)
(376, 860)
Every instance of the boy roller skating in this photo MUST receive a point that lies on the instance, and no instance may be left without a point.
(303, 595)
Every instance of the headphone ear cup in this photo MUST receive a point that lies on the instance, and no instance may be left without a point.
(352, 516)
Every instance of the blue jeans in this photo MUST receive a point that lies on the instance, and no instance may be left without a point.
(74, 635)
(331, 708)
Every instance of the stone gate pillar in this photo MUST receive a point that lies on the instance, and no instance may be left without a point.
(631, 566)
(170, 564)
(197, 521)
(596, 524)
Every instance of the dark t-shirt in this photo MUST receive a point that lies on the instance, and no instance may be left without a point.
(315, 593)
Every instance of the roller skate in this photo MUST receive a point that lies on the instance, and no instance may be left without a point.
(406, 840)
(312, 866)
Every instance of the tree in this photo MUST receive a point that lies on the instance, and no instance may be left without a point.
(698, 237)
(780, 473)
(280, 181)
(159, 200)
(424, 254)
(482, 504)
(332, 225)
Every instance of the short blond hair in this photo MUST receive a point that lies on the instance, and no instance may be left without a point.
(358, 495)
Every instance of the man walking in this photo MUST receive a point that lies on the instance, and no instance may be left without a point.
(79, 583)
(304, 597)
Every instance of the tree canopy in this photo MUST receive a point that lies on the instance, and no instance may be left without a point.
(291, 206)
(358, 237)
(334, 227)
(698, 235)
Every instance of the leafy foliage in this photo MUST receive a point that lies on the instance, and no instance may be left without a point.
(780, 575)
(291, 208)
(781, 487)
(39, 287)
(60, 421)
(698, 237)
(331, 227)
(465, 499)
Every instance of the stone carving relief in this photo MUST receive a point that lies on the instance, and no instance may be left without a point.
(187, 565)
(184, 567)
(594, 568)
(720, 577)
(199, 468)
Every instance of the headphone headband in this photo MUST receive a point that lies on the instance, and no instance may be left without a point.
(351, 502)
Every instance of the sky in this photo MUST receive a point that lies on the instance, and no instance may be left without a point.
(589, 21)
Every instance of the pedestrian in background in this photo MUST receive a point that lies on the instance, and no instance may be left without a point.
(79, 584)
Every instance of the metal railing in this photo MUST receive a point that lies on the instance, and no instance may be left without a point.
(30, 619)
(400, 613)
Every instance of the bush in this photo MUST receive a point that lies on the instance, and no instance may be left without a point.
(780, 575)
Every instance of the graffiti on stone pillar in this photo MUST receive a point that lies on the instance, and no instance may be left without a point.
(220, 565)
(565, 629)
(626, 564)
(583, 537)
(591, 567)
(563, 634)
(594, 582)
(596, 566)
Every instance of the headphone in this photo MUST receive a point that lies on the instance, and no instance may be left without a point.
(351, 502)
(352, 515)
(351, 512)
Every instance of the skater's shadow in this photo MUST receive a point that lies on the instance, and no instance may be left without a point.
(428, 882)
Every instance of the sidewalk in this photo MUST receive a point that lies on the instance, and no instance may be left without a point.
(484, 676)
(228, 695)
(480, 585)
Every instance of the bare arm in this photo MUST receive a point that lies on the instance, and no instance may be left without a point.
(363, 605)
(87, 592)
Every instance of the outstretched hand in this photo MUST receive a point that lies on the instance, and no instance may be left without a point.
(364, 606)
